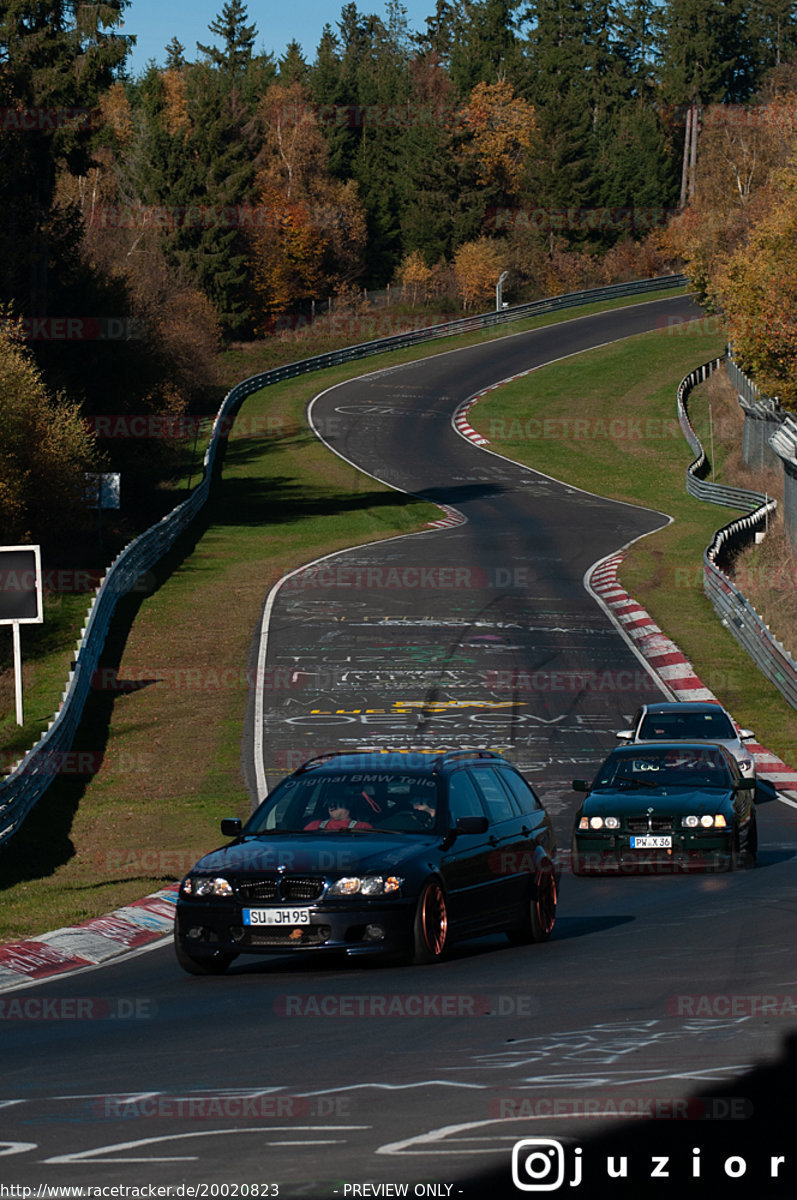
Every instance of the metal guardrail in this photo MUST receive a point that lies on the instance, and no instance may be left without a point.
(735, 612)
(696, 484)
(742, 620)
(30, 777)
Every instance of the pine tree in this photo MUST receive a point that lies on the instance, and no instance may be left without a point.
(487, 46)
(57, 58)
(175, 55)
(706, 54)
(293, 66)
(199, 174)
(443, 31)
(707, 58)
(238, 38)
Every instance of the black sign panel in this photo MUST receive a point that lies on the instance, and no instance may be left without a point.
(20, 584)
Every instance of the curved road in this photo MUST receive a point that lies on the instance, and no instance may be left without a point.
(651, 991)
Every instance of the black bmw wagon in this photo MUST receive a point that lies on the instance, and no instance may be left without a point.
(375, 853)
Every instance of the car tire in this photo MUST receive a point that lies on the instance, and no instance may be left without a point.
(430, 928)
(540, 916)
(746, 856)
(202, 964)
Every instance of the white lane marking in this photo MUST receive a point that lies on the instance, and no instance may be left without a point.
(395, 1087)
(16, 1147)
(433, 1137)
(88, 1156)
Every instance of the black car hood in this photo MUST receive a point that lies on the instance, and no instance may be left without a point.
(318, 854)
(625, 801)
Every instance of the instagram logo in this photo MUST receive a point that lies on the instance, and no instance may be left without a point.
(538, 1165)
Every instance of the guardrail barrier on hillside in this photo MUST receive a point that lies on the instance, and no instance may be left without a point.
(733, 609)
(696, 485)
(30, 778)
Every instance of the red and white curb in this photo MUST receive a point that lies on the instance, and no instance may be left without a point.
(671, 664)
(460, 418)
(90, 943)
(463, 425)
(449, 521)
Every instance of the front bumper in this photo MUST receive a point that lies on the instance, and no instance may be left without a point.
(693, 851)
(206, 928)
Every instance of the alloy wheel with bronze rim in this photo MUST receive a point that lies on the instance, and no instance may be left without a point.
(431, 924)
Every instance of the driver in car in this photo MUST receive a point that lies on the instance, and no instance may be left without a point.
(339, 809)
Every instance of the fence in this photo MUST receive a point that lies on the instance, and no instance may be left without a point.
(762, 418)
(30, 777)
(734, 610)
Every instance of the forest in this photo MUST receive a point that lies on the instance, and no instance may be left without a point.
(225, 196)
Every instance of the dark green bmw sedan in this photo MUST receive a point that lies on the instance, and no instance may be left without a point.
(662, 807)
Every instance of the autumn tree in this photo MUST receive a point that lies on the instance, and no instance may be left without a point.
(310, 232)
(757, 288)
(501, 127)
(740, 147)
(414, 276)
(45, 450)
(477, 267)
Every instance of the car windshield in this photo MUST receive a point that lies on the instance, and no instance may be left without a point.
(688, 767)
(708, 726)
(348, 802)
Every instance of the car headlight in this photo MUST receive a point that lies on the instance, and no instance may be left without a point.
(365, 885)
(612, 822)
(205, 886)
(708, 821)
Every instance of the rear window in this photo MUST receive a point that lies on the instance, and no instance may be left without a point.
(522, 791)
(686, 727)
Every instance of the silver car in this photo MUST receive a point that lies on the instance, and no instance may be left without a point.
(691, 721)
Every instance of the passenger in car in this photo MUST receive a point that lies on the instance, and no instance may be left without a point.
(339, 818)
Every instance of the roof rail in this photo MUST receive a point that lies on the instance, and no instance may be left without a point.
(319, 758)
(453, 755)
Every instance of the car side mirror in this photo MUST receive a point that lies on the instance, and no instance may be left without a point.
(580, 785)
(624, 735)
(472, 825)
(745, 735)
(231, 826)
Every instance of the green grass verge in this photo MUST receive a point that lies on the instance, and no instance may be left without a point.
(161, 743)
(606, 421)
